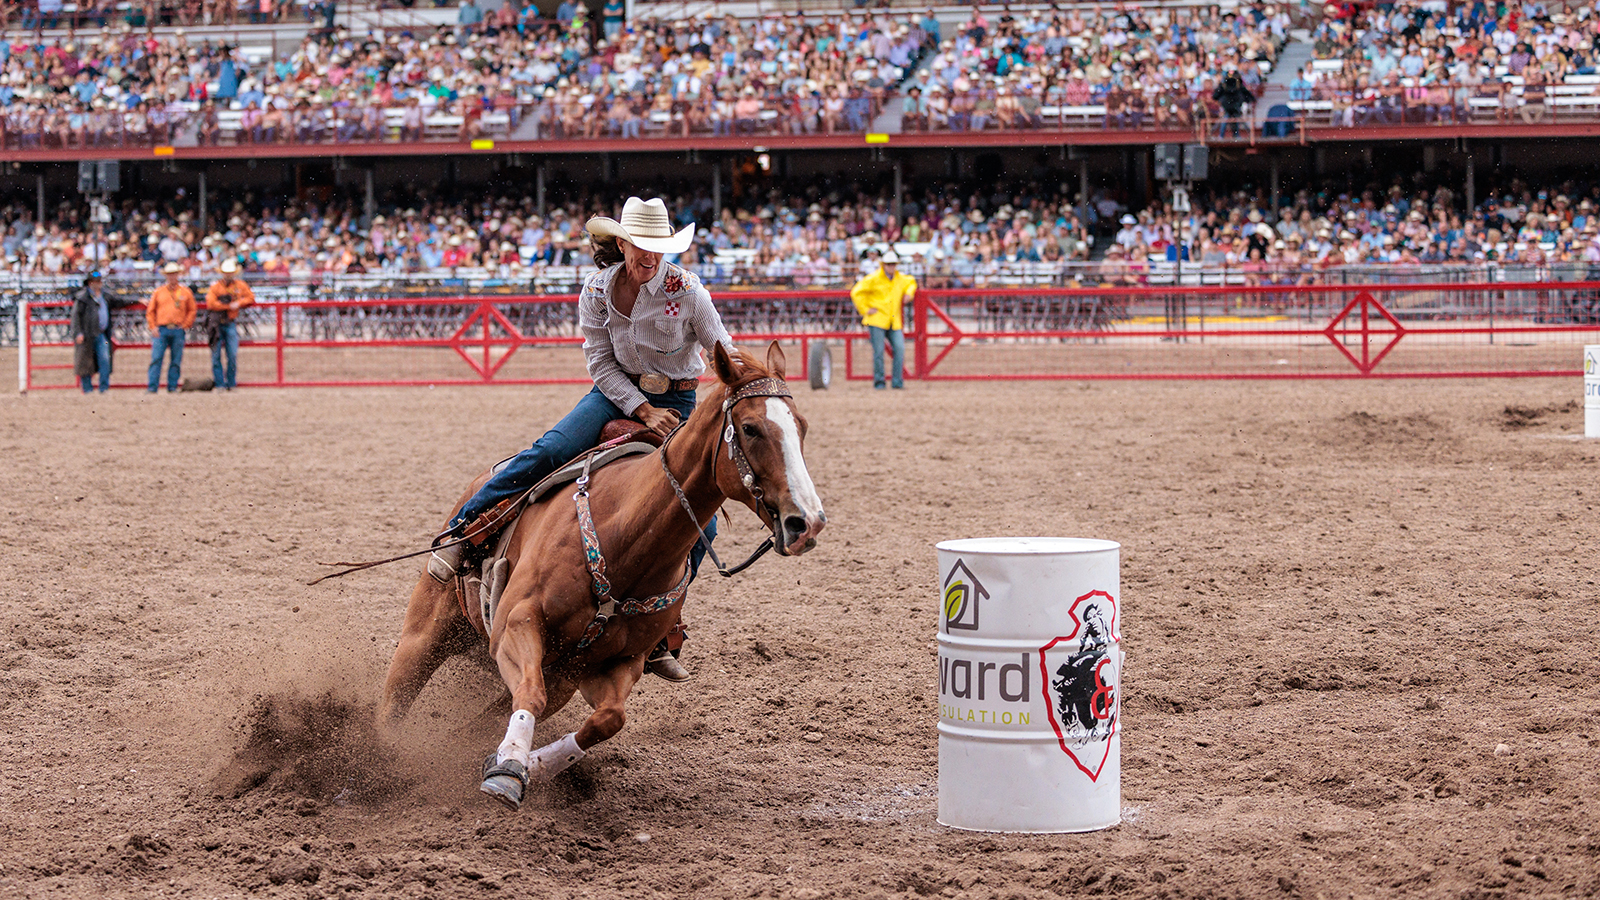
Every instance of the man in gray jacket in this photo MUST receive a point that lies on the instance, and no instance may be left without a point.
(91, 333)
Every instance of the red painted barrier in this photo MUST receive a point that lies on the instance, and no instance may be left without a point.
(1394, 331)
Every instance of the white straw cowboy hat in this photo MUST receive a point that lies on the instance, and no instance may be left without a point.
(646, 225)
(228, 267)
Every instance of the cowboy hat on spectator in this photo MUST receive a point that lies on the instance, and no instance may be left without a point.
(646, 225)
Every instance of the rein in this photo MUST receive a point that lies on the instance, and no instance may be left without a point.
(472, 534)
(760, 387)
(357, 567)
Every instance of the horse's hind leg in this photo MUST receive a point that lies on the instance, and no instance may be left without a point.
(608, 694)
(434, 631)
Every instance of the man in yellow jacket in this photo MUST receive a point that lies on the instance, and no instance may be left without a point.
(170, 313)
(881, 298)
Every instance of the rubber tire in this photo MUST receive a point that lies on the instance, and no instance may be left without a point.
(819, 366)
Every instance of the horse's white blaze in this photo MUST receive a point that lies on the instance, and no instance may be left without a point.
(801, 490)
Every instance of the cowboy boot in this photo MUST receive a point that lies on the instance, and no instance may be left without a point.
(446, 561)
(664, 662)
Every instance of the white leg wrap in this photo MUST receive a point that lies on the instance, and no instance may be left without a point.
(519, 738)
(552, 759)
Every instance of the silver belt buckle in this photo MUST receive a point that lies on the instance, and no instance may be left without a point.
(654, 383)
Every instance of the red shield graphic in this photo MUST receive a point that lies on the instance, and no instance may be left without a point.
(1081, 679)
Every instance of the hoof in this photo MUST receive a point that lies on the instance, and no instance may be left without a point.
(504, 781)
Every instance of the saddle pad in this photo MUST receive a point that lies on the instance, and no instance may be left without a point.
(496, 567)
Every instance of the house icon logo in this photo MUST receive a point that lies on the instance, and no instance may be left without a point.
(963, 593)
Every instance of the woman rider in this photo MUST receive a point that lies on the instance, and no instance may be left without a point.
(644, 322)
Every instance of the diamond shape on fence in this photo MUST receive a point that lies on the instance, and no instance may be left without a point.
(1367, 305)
(496, 339)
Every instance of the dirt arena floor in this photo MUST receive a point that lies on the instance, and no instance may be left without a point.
(1361, 626)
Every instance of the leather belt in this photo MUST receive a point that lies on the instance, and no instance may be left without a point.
(656, 383)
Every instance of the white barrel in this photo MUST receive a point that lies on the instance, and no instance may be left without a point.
(1591, 391)
(1030, 684)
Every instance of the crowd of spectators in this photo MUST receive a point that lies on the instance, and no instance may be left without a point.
(725, 76)
(1116, 67)
(1159, 65)
(508, 235)
(808, 237)
(122, 86)
(1411, 62)
(714, 75)
(35, 15)
(1314, 232)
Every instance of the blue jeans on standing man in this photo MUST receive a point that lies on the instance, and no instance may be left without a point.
(897, 342)
(578, 431)
(167, 337)
(102, 362)
(227, 340)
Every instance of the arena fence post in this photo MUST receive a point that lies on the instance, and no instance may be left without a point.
(919, 341)
(24, 336)
(277, 340)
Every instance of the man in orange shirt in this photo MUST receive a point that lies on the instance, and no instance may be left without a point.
(170, 312)
(226, 296)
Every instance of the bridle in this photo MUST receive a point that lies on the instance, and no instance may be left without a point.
(765, 386)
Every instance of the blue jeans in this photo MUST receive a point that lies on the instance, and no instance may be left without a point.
(102, 363)
(897, 342)
(169, 336)
(227, 339)
(576, 432)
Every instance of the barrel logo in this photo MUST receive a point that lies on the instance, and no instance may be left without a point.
(1590, 368)
(1082, 680)
(962, 594)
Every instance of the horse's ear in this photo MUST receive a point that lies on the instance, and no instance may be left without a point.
(775, 361)
(722, 364)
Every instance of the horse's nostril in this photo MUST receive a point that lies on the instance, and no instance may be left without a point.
(795, 524)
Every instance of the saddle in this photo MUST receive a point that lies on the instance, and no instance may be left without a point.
(620, 438)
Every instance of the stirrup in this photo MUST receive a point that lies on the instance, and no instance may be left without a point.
(663, 664)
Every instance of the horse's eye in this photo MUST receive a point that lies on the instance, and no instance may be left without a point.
(750, 431)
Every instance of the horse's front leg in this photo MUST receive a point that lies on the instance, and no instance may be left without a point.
(519, 651)
(608, 693)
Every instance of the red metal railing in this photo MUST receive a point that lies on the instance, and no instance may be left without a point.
(1393, 331)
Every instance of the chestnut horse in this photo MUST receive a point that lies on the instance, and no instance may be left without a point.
(743, 442)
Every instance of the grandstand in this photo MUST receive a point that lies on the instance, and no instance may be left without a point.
(369, 149)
